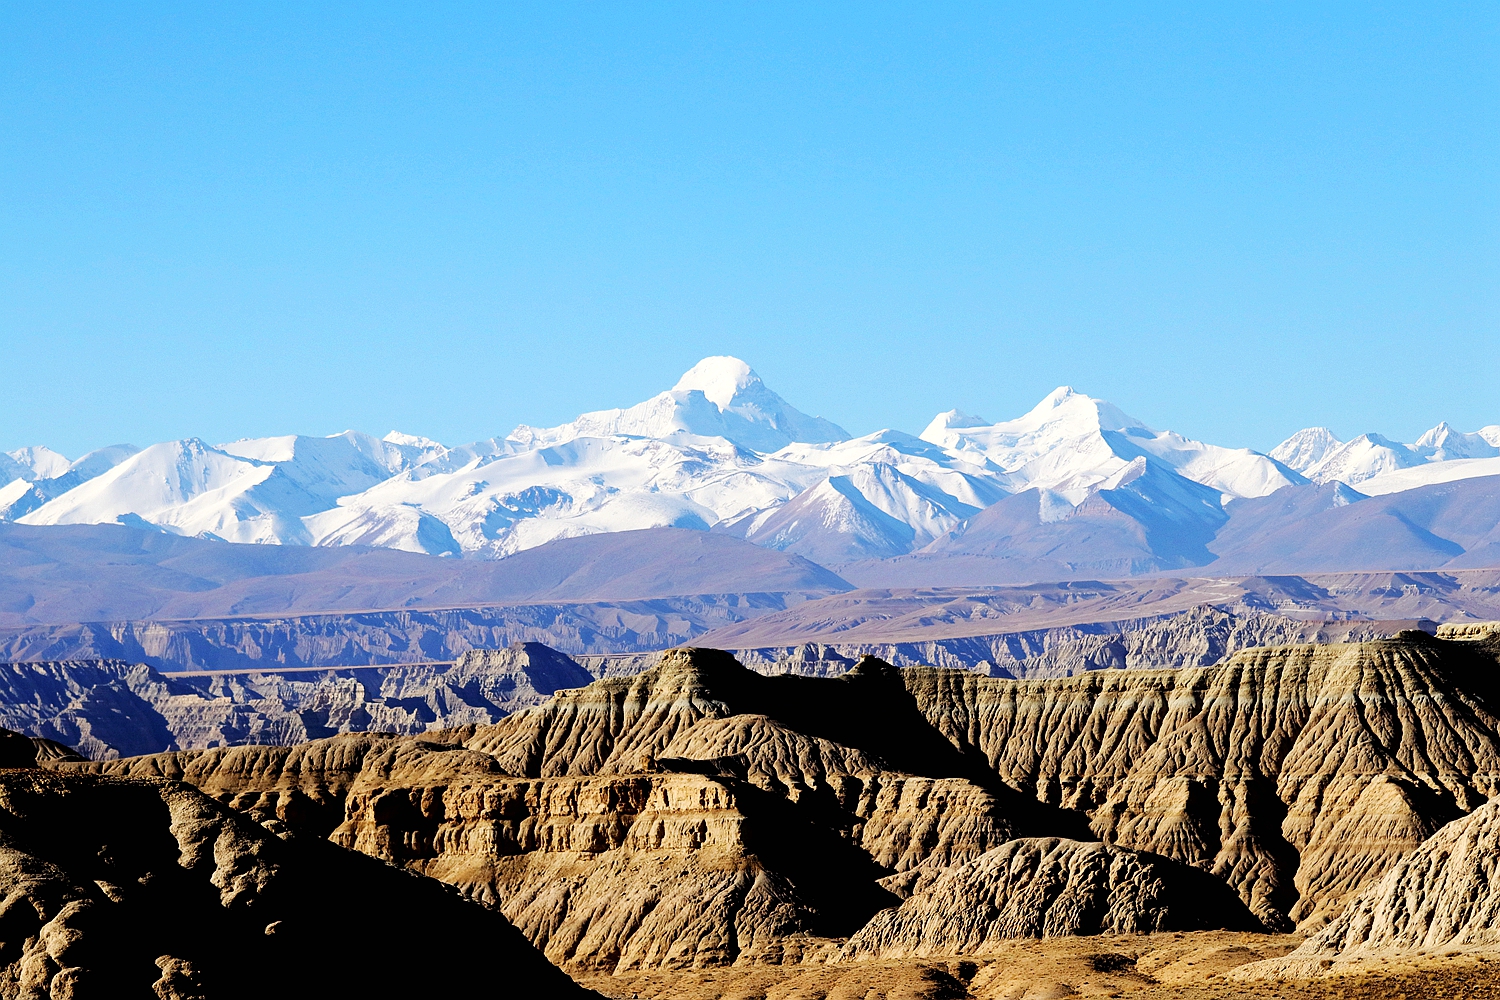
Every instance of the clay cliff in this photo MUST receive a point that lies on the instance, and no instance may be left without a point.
(119, 708)
(1297, 774)
(1049, 888)
(701, 814)
(1440, 897)
(129, 887)
(647, 821)
(109, 709)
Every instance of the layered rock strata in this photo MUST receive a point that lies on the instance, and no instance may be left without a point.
(1440, 897)
(647, 821)
(702, 814)
(1298, 774)
(115, 709)
(119, 708)
(1198, 637)
(1049, 888)
(115, 887)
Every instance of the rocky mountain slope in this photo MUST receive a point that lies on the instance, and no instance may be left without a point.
(920, 615)
(111, 708)
(1074, 487)
(146, 887)
(1049, 888)
(1004, 626)
(1440, 897)
(1199, 636)
(700, 814)
(1297, 774)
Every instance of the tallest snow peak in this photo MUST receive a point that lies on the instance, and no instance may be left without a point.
(717, 397)
(719, 378)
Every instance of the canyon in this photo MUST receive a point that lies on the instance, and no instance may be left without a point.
(1286, 812)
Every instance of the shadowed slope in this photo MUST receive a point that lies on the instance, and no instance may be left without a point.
(119, 887)
(1297, 774)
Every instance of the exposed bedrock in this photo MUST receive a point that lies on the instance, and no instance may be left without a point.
(702, 814)
(609, 872)
(678, 833)
(1298, 774)
(1445, 895)
(119, 708)
(113, 709)
(148, 888)
(1197, 637)
(1048, 888)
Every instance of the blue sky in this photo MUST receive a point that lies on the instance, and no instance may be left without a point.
(1233, 221)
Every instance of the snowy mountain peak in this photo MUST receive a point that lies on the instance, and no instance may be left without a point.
(719, 397)
(409, 440)
(40, 462)
(719, 378)
(1443, 443)
(1306, 448)
(1436, 436)
(951, 419)
(1064, 415)
(719, 450)
(1056, 397)
(1365, 457)
(1070, 443)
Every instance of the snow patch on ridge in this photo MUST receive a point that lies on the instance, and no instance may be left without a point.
(1070, 443)
(722, 451)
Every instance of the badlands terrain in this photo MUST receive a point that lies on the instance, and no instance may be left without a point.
(1296, 820)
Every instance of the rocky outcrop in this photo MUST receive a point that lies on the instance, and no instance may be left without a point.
(616, 724)
(1048, 888)
(700, 813)
(1442, 896)
(414, 635)
(115, 887)
(1197, 637)
(646, 821)
(1298, 775)
(19, 750)
(1468, 630)
(610, 872)
(114, 709)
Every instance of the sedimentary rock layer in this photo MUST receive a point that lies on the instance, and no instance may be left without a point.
(114, 709)
(118, 887)
(700, 813)
(1048, 888)
(681, 832)
(1443, 895)
(1297, 774)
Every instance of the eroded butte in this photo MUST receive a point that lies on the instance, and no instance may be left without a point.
(1295, 821)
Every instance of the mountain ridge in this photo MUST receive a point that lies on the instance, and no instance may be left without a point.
(1103, 493)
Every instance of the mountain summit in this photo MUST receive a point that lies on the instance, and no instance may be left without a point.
(1072, 485)
(718, 397)
(1071, 443)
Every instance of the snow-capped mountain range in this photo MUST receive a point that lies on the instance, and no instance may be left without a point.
(719, 451)
(1377, 465)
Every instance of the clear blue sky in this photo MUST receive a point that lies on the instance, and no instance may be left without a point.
(1231, 220)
